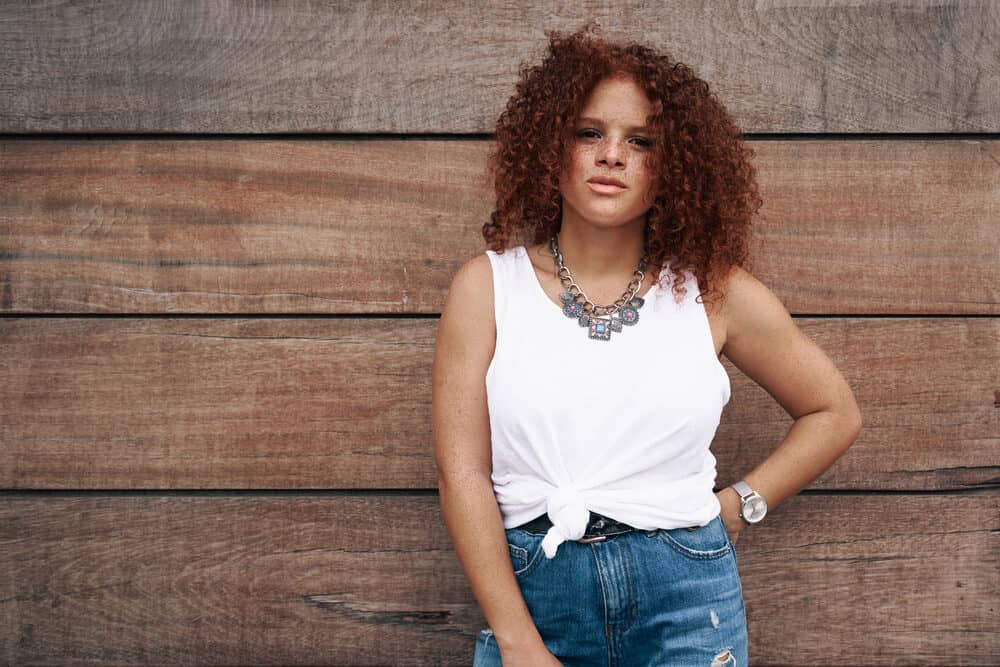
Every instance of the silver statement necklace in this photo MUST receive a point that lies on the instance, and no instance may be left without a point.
(600, 320)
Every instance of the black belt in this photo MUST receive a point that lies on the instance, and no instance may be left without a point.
(599, 527)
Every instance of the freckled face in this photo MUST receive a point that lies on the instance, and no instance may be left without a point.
(605, 180)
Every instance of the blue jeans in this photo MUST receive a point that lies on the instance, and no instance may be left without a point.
(641, 599)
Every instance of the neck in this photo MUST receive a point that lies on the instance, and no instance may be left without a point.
(596, 255)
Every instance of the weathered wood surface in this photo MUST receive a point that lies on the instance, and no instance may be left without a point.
(191, 403)
(372, 226)
(375, 66)
(372, 580)
(875, 580)
(254, 226)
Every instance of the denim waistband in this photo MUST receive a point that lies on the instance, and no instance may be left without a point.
(597, 526)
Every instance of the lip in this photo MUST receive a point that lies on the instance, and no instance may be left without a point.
(605, 185)
(605, 188)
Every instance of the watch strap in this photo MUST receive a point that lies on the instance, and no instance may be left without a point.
(743, 489)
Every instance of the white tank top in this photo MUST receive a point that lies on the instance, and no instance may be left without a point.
(621, 427)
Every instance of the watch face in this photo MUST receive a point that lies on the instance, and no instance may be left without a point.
(755, 509)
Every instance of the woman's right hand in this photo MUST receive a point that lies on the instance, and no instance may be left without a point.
(532, 655)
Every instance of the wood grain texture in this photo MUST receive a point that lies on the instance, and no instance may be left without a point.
(375, 66)
(372, 580)
(875, 580)
(316, 537)
(237, 226)
(373, 226)
(156, 403)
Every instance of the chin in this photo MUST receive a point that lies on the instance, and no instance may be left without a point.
(604, 212)
(610, 219)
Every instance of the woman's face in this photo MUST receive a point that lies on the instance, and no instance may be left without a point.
(605, 179)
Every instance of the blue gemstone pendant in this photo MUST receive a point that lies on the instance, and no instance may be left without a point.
(600, 329)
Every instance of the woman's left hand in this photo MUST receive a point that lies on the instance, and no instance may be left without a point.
(729, 499)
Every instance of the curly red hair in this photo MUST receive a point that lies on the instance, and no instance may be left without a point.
(705, 185)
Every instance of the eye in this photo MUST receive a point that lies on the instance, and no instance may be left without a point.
(588, 133)
(643, 142)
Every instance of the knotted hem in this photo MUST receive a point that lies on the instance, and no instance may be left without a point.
(569, 516)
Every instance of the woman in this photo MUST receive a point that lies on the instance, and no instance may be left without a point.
(577, 381)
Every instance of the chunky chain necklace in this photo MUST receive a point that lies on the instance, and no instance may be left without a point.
(624, 311)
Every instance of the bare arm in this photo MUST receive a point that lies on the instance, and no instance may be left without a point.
(764, 342)
(462, 450)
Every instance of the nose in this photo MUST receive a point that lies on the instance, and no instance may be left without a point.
(610, 153)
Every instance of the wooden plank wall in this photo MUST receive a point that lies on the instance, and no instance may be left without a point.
(226, 233)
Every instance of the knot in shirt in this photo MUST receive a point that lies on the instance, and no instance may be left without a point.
(569, 516)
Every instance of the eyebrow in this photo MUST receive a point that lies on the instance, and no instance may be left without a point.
(636, 128)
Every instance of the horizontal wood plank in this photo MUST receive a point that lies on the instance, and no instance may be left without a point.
(347, 226)
(186, 403)
(252, 67)
(351, 580)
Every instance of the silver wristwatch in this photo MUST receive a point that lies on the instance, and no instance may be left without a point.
(753, 507)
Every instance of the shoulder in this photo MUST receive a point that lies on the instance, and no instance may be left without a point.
(749, 307)
(473, 279)
(739, 285)
(763, 341)
(467, 329)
